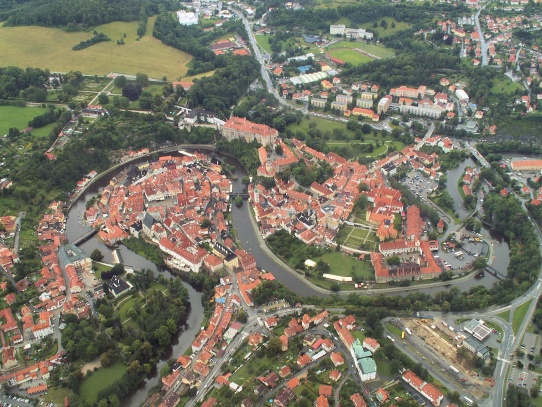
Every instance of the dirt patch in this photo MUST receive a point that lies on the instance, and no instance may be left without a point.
(442, 342)
(91, 365)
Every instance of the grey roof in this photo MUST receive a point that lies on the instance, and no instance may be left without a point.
(148, 220)
(69, 254)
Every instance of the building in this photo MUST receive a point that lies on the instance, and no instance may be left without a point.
(427, 390)
(318, 102)
(462, 95)
(356, 33)
(187, 17)
(383, 105)
(239, 128)
(526, 165)
(476, 347)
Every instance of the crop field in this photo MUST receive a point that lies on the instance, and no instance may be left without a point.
(52, 48)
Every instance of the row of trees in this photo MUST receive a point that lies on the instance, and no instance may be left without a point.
(76, 15)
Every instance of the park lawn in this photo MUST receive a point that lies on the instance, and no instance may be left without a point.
(158, 286)
(383, 149)
(343, 265)
(122, 311)
(100, 268)
(503, 85)
(14, 116)
(52, 48)
(382, 33)
(350, 56)
(321, 124)
(99, 380)
(519, 315)
(360, 233)
(263, 41)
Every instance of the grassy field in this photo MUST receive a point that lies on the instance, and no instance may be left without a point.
(13, 116)
(333, 3)
(503, 85)
(347, 266)
(505, 315)
(519, 315)
(99, 380)
(378, 50)
(56, 395)
(52, 48)
(399, 26)
(263, 41)
(350, 56)
(100, 268)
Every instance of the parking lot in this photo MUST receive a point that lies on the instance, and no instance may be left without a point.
(19, 401)
(523, 377)
(420, 184)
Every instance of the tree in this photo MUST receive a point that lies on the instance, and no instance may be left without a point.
(103, 99)
(142, 80)
(206, 223)
(274, 345)
(132, 91)
(393, 260)
(96, 255)
(480, 263)
(362, 202)
(239, 201)
(120, 81)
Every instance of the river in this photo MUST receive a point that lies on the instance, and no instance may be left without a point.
(454, 175)
(249, 240)
(75, 228)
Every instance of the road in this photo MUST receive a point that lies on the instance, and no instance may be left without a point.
(384, 125)
(483, 44)
(17, 238)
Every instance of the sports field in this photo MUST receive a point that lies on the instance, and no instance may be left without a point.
(350, 56)
(13, 116)
(377, 50)
(52, 48)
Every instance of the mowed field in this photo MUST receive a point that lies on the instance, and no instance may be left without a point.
(52, 48)
(377, 50)
(350, 56)
(13, 116)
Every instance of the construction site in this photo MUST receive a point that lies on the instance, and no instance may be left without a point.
(441, 342)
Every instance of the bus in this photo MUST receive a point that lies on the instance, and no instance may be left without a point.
(468, 401)
(390, 338)
(453, 369)
(408, 331)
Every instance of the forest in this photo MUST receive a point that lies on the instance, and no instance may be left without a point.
(219, 92)
(158, 318)
(319, 19)
(78, 15)
(414, 68)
